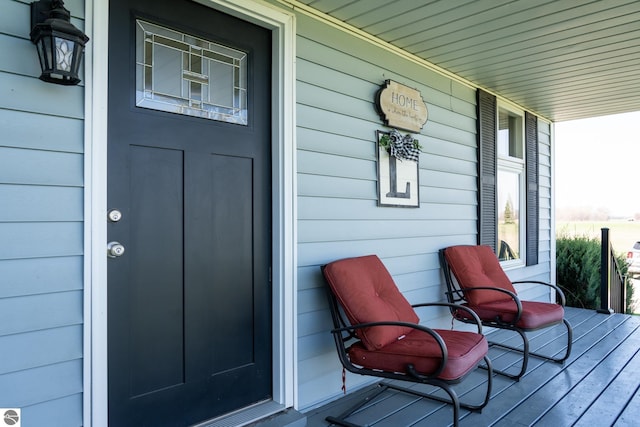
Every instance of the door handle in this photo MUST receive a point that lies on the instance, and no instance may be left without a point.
(114, 249)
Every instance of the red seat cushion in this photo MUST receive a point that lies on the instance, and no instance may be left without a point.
(465, 351)
(367, 293)
(476, 266)
(535, 314)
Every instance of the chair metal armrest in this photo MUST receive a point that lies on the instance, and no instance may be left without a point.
(454, 307)
(513, 296)
(337, 332)
(559, 292)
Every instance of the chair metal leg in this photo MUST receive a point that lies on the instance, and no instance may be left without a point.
(487, 396)
(526, 353)
(569, 344)
(453, 400)
(341, 419)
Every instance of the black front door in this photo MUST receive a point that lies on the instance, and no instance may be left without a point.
(189, 171)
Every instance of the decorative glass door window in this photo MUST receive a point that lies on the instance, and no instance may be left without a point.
(183, 74)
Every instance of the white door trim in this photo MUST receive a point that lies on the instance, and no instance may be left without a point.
(282, 24)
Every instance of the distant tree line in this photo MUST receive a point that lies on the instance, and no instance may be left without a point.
(587, 213)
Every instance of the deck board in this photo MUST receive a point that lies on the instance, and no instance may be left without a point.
(585, 393)
(598, 385)
(631, 414)
(574, 372)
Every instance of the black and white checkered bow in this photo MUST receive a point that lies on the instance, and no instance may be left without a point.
(402, 147)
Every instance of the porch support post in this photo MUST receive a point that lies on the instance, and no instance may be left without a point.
(605, 272)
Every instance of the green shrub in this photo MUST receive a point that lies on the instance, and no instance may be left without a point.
(578, 271)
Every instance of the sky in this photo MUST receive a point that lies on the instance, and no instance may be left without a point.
(598, 163)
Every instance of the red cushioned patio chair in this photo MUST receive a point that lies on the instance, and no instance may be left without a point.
(377, 333)
(476, 280)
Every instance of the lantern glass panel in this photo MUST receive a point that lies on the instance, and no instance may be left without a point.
(47, 45)
(64, 54)
(42, 55)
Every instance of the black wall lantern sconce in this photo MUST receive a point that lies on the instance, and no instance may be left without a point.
(60, 44)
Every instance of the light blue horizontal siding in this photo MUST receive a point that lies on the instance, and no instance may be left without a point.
(15, 18)
(326, 208)
(20, 166)
(42, 384)
(26, 93)
(40, 239)
(39, 312)
(313, 140)
(397, 266)
(346, 68)
(29, 276)
(336, 102)
(335, 187)
(320, 378)
(324, 252)
(41, 230)
(368, 60)
(332, 165)
(40, 348)
(40, 203)
(544, 189)
(63, 412)
(313, 118)
(23, 59)
(17, 12)
(327, 94)
(338, 230)
(51, 133)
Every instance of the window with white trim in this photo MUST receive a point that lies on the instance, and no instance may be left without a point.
(508, 206)
(510, 185)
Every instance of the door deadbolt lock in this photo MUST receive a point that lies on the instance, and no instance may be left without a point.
(114, 215)
(114, 249)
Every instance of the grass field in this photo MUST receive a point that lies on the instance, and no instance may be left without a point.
(623, 234)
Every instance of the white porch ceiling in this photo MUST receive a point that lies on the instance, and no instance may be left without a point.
(562, 59)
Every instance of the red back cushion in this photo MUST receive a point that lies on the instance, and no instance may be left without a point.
(475, 266)
(367, 293)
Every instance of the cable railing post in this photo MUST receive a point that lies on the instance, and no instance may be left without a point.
(617, 287)
(622, 297)
(605, 272)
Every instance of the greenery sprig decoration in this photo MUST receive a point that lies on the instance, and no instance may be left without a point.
(401, 147)
(387, 139)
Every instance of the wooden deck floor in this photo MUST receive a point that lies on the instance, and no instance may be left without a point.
(599, 385)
